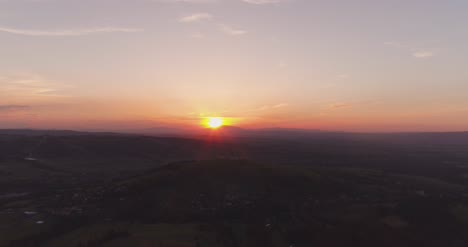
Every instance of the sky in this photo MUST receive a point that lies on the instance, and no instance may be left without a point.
(348, 65)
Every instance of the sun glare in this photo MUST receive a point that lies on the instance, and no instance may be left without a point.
(215, 122)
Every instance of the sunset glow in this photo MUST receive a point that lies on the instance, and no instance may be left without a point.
(214, 122)
(225, 123)
(273, 64)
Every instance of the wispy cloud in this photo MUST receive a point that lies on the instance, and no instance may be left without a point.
(68, 32)
(29, 85)
(224, 28)
(423, 54)
(281, 105)
(415, 52)
(228, 30)
(270, 107)
(10, 108)
(196, 17)
(340, 105)
(197, 35)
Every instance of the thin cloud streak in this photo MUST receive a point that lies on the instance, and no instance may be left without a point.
(423, 54)
(340, 105)
(69, 32)
(9, 108)
(196, 17)
(416, 53)
(228, 30)
(29, 85)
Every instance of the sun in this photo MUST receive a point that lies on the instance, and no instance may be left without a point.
(215, 122)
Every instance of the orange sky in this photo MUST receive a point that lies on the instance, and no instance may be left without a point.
(329, 65)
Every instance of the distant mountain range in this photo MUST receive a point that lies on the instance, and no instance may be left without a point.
(229, 132)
